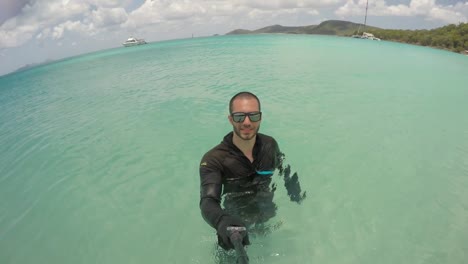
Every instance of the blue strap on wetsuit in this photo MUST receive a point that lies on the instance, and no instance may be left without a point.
(265, 173)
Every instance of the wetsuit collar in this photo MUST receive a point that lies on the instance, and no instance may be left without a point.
(228, 141)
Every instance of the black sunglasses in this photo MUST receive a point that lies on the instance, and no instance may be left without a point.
(239, 117)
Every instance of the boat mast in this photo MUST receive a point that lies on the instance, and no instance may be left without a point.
(365, 19)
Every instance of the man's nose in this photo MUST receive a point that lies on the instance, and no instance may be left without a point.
(247, 120)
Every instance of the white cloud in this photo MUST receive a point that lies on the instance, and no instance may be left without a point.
(164, 11)
(183, 10)
(57, 32)
(44, 19)
(50, 12)
(286, 4)
(75, 26)
(447, 15)
(154, 12)
(422, 6)
(169, 12)
(148, 13)
(45, 33)
(275, 15)
(18, 36)
(104, 17)
(398, 10)
(107, 3)
(428, 9)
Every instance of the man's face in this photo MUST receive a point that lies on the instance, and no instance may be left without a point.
(246, 129)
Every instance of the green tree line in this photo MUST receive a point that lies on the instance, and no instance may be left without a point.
(451, 37)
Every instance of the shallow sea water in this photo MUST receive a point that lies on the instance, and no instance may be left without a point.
(99, 153)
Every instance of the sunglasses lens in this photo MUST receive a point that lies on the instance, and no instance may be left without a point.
(238, 118)
(255, 117)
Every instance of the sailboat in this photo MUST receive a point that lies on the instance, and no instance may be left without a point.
(365, 35)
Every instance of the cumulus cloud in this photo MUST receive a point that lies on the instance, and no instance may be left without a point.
(425, 8)
(447, 15)
(165, 11)
(12, 38)
(75, 26)
(107, 3)
(44, 34)
(286, 4)
(181, 11)
(43, 19)
(104, 17)
(154, 12)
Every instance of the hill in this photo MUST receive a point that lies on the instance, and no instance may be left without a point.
(450, 37)
(329, 27)
(32, 65)
(338, 28)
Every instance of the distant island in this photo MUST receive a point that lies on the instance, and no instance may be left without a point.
(451, 37)
(32, 65)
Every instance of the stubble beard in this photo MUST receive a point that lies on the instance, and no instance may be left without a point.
(237, 130)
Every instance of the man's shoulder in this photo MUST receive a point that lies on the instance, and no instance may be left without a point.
(221, 147)
(217, 152)
(215, 156)
(266, 138)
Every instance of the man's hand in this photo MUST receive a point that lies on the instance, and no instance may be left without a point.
(223, 235)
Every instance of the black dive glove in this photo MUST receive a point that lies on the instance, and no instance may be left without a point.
(223, 235)
(292, 186)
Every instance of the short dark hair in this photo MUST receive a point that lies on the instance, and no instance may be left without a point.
(244, 95)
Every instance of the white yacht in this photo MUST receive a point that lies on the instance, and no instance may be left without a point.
(133, 42)
(370, 36)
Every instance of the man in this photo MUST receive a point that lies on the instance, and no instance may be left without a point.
(241, 167)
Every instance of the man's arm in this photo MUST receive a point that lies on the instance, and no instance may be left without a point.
(293, 187)
(210, 200)
(210, 193)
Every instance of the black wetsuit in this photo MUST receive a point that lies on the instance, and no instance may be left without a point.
(244, 184)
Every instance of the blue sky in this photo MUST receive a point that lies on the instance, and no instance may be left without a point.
(33, 31)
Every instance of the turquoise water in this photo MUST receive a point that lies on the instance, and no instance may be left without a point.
(99, 153)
